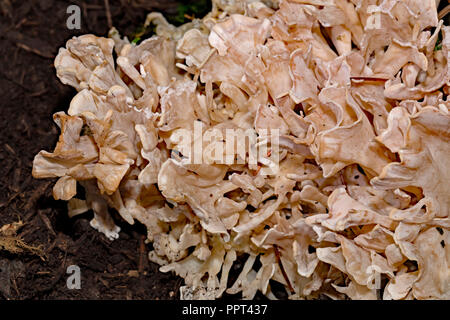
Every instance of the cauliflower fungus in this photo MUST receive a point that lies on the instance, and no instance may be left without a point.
(359, 200)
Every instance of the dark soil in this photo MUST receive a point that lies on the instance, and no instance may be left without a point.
(30, 34)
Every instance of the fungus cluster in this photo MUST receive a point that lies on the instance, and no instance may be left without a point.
(360, 197)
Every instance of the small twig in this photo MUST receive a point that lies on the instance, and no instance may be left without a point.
(20, 23)
(141, 255)
(46, 222)
(15, 286)
(10, 149)
(39, 93)
(35, 51)
(278, 256)
(108, 14)
(22, 77)
(444, 12)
